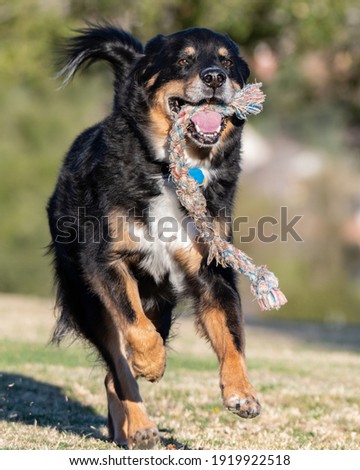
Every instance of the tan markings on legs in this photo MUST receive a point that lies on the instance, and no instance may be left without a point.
(128, 420)
(237, 392)
(117, 420)
(142, 433)
(116, 344)
(190, 259)
(146, 349)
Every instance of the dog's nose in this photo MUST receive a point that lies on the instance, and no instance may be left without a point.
(213, 77)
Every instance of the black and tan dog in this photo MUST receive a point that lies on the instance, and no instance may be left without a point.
(119, 272)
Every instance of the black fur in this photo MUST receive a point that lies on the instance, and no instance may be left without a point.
(111, 164)
(115, 166)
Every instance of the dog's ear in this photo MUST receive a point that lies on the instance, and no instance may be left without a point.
(155, 44)
(98, 42)
(149, 63)
(242, 66)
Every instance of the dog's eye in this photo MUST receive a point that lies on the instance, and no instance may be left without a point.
(227, 62)
(183, 62)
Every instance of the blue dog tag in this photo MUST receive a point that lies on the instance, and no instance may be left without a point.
(198, 176)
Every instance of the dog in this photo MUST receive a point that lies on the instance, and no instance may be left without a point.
(118, 278)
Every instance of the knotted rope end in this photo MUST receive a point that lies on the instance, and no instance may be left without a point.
(265, 288)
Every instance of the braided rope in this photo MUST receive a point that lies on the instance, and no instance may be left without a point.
(264, 284)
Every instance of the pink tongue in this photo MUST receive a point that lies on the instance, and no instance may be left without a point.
(207, 121)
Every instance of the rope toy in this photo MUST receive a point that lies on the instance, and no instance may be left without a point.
(264, 284)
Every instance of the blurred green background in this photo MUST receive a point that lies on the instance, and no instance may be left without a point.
(302, 152)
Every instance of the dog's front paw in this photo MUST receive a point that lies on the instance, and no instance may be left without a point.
(147, 354)
(244, 405)
(143, 438)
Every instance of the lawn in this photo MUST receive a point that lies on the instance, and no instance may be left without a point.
(307, 379)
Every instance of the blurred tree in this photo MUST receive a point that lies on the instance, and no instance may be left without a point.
(315, 43)
(306, 52)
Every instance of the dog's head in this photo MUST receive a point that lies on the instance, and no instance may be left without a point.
(190, 67)
(153, 83)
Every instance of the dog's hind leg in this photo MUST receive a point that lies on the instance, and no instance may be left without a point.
(129, 424)
(117, 421)
(131, 346)
(126, 423)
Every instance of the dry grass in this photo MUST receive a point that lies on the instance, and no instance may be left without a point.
(54, 399)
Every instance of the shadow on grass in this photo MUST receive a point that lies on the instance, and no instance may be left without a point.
(28, 401)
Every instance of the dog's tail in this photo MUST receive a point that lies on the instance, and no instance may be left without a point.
(98, 42)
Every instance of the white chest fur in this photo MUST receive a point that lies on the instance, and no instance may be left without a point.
(169, 230)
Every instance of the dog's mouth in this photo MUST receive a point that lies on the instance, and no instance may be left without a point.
(205, 126)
